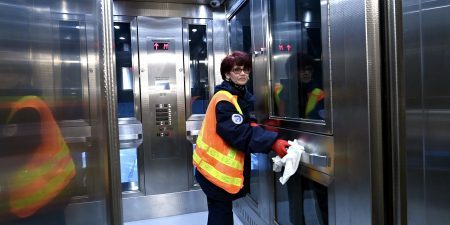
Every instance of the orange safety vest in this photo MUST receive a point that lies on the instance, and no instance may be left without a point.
(214, 158)
(49, 170)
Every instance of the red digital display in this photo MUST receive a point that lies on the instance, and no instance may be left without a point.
(160, 46)
(285, 47)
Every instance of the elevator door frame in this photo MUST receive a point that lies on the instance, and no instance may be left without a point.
(194, 121)
(141, 205)
(177, 196)
(164, 166)
(130, 125)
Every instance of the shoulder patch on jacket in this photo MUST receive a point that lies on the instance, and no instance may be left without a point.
(237, 118)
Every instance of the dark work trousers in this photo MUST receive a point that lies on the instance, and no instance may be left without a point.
(220, 212)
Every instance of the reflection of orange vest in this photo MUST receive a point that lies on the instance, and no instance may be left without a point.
(49, 170)
(314, 97)
(215, 159)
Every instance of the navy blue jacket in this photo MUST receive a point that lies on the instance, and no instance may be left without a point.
(242, 137)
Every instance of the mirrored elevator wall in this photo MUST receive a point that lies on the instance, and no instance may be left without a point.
(425, 53)
(341, 135)
(54, 51)
(166, 67)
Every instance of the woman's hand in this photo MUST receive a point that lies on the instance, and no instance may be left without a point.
(280, 147)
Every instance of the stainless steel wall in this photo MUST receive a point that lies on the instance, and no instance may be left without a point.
(355, 65)
(353, 141)
(60, 51)
(426, 35)
(143, 8)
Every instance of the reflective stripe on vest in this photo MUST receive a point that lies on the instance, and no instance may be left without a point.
(216, 160)
(278, 88)
(314, 97)
(49, 170)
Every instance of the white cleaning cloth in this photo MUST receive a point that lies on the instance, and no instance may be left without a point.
(289, 161)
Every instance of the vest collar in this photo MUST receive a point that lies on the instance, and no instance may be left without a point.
(227, 86)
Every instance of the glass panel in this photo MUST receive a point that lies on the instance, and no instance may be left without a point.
(129, 169)
(198, 67)
(297, 83)
(300, 201)
(125, 81)
(72, 51)
(241, 40)
(241, 35)
(50, 167)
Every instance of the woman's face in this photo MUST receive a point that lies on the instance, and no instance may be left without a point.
(238, 75)
(306, 74)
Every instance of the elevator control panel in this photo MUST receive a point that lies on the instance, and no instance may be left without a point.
(163, 119)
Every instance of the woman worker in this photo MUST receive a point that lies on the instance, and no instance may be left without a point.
(228, 136)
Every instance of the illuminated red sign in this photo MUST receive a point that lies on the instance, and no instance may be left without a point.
(289, 47)
(160, 46)
(284, 47)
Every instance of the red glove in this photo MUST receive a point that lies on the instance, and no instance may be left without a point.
(253, 124)
(279, 146)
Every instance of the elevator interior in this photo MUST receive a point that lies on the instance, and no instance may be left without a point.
(171, 114)
(147, 116)
(159, 116)
(165, 75)
(54, 50)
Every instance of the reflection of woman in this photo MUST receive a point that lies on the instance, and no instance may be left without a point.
(228, 136)
(311, 91)
(310, 98)
(35, 164)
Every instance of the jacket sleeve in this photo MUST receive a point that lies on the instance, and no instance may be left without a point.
(242, 136)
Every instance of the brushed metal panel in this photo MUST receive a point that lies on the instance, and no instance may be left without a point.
(29, 49)
(220, 44)
(260, 57)
(130, 133)
(155, 206)
(162, 9)
(88, 213)
(171, 1)
(135, 66)
(232, 6)
(356, 126)
(246, 212)
(394, 108)
(165, 155)
(314, 144)
(427, 110)
(414, 117)
(109, 114)
(421, 54)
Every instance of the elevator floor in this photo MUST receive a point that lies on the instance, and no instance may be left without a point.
(187, 219)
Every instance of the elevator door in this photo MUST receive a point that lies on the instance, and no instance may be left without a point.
(162, 95)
